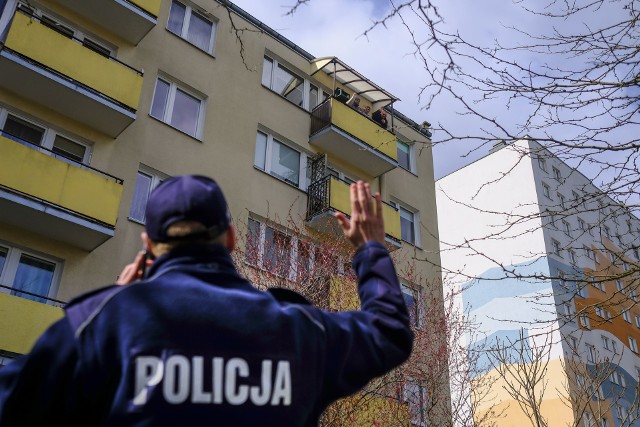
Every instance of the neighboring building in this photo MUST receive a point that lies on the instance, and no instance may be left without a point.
(538, 250)
(102, 100)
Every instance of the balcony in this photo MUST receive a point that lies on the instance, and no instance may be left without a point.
(49, 196)
(131, 20)
(60, 73)
(23, 321)
(350, 136)
(330, 195)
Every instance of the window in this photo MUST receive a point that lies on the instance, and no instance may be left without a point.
(562, 203)
(607, 231)
(619, 286)
(556, 247)
(290, 85)
(280, 160)
(606, 342)
(411, 298)
(177, 107)
(621, 412)
(542, 163)
(604, 422)
(633, 345)
(582, 290)
(268, 248)
(614, 346)
(625, 315)
(146, 181)
(552, 218)
(582, 225)
(29, 275)
(634, 295)
(587, 420)
(546, 191)
(32, 135)
(591, 353)
(600, 312)
(556, 173)
(637, 320)
(56, 25)
(568, 311)
(584, 321)
(408, 224)
(588, 252)
(406, 156)
(417, 398)
(572, 256)
(566, 227)
(192, 26)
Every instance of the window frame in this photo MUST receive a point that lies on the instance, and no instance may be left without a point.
(156, 178)
(415, 314)
(411, 167)
(168, 110)
(306, 82)
(546, 191)
(186, 22)
(271, 140)
(415, 223)
(633, 344)
(10, 268)
(48, 139)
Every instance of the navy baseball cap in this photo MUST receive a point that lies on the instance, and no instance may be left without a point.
(186, 198)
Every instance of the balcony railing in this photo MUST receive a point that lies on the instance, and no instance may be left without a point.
(129, 19)
(61, 73)
(352, 137)
(330, 194)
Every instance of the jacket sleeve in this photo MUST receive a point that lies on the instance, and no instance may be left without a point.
(35, 388)
(365, 344)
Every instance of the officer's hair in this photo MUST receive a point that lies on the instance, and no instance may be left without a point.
(185, 228)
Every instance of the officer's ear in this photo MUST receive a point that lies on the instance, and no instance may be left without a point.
(230, 238)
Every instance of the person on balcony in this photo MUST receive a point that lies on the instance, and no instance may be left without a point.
(380, 116)
(192, 343)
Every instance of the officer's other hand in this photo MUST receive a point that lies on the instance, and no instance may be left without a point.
(366, 221)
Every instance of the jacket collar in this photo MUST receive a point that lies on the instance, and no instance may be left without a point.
(195, 254)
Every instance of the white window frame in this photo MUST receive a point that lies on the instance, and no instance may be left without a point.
(168, 112)
(556, 248)
(584, 320)
(546, 191)
(572, 256)
(556, 173)
(412, 156)
(542, 163)
(566, 227)
(606, 342)
(184, 33)
(625, 315)
(156, 178)
(562, 200)
(637, 320)
(416, 316)
(271, 142)
(48, 138)
(591, 353)
(416, 221)
(619, 286)
(10, 268)
(306, 86)
(416, 396)
(633, 344)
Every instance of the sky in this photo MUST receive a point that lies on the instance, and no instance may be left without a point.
(336, 27)
(386, 56)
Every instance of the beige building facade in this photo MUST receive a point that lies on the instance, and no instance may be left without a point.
(102, 100)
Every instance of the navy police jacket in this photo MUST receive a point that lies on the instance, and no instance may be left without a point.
(196, 344)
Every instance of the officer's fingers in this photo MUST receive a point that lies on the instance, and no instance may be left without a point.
(378, 206)
(343, 221)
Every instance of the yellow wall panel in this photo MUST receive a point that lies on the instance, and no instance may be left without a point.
(22, 322)
(356, 124)
(70, 58)
(58, 182)
(151, 6)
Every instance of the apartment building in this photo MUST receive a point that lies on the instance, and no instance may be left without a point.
(547, 265)
(102, 100)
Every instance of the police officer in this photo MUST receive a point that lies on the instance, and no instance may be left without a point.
(194, 343)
